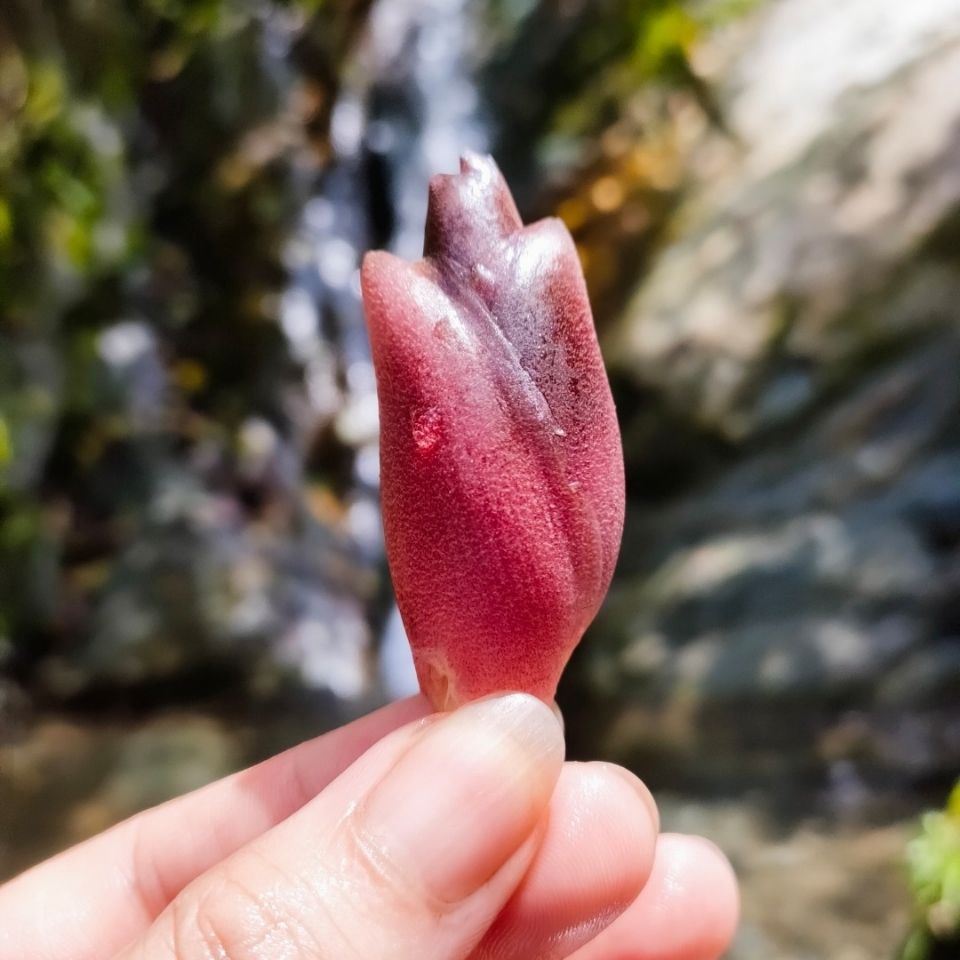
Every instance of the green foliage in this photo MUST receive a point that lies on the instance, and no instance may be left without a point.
(668, 34)
(580, 66)
(6, 447)
(933, 859)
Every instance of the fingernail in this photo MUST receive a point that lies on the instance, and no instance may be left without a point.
(467, 795)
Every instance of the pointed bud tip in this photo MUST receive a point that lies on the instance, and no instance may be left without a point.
(469, 210)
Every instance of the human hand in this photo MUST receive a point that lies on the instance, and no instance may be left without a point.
(404, 835)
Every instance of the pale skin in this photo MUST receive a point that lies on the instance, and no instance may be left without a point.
(404, 836)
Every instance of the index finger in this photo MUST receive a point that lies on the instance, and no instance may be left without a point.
(90, 901)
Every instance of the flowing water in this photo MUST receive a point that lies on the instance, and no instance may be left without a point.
(408, 108)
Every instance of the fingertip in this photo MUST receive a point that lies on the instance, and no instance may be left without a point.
(458, 806)
(688, 909)
(642, 791)
(594, 860)
(701, 873)
(558, 713)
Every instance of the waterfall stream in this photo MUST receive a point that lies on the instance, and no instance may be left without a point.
(408, 108)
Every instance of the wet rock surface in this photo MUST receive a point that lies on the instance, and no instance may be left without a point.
(818, 232)
(791, 602)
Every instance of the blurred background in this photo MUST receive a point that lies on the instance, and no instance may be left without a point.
(766, 199)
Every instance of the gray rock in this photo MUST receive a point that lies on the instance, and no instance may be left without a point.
(788, 266)
(201, 587)
(792, 606)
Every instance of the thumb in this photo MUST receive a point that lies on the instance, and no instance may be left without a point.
(411, 853)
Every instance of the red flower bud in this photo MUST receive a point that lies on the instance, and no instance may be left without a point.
(501, 467)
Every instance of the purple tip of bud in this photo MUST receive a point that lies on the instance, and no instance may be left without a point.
(468, 210)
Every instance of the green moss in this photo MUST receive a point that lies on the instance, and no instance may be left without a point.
(6, 443)
(933, 860)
